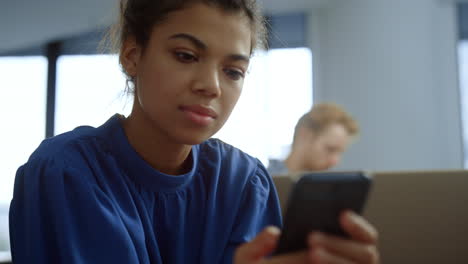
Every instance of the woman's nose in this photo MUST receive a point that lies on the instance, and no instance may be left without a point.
(207, 82)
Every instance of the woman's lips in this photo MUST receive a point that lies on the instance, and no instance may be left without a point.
(200, 115)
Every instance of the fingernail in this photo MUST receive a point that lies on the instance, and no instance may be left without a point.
(352, 214)
(354, 217)
(315, 237)
(317, 254)
(273, 230)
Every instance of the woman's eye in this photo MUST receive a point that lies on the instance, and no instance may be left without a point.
(185, 56)
(234, 74)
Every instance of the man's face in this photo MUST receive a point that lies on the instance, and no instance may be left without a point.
(324, 150)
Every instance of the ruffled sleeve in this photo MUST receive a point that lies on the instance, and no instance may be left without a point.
(259, 208)
(58, 215)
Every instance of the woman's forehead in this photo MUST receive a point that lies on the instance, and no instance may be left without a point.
(210, 25)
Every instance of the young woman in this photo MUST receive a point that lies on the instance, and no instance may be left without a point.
(152, 187)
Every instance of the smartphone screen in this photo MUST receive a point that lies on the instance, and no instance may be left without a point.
(316, 202)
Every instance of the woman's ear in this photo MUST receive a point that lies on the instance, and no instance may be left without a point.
(130, 56)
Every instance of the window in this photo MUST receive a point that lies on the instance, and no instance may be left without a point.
(90, 89)
(463, 73)
(23, 108)
(276, 93)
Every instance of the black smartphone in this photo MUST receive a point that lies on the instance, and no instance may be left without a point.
(316, 201)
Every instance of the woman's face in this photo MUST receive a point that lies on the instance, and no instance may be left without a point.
(190, 76)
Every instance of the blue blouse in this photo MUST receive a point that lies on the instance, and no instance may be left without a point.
(87, 197)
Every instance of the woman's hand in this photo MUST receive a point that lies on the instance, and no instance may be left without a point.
(255, 251)
(361, 248)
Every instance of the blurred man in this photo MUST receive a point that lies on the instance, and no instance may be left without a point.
(320, 137)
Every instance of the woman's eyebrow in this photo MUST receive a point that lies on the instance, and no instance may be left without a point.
(201, 45)
(195, 41)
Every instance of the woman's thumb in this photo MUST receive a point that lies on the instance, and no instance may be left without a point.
(262, 245)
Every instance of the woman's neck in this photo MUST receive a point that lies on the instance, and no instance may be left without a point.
(155, 147)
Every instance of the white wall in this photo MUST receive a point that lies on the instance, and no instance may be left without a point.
(393, 65)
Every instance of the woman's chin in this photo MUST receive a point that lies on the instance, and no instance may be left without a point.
(194, 138)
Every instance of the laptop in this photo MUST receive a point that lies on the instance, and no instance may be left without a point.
(421, 216)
